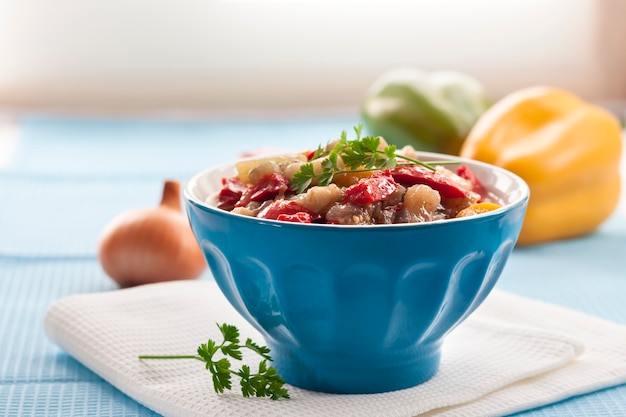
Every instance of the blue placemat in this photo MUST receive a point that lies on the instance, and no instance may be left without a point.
(71, 176)
(36, 377)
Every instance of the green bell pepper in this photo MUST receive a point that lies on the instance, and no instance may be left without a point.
(430, 111)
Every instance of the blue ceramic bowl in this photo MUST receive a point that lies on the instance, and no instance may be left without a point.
(356, 309)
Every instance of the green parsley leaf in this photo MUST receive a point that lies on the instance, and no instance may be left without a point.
(370, 144)
(266, 382)
(360, 154)
(230, 333)
(263, 351)
(303, 178)
(329, 166)
(358, 129)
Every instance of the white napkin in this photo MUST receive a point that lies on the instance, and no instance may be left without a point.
(512, 354)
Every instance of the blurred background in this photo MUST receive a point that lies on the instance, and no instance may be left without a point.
(305, 56)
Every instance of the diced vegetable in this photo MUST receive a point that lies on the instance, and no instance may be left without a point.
(244, 167)
(267, 188)
(300, 217)
(284, 208)
(463, 171)
(369, 190)
(421, 202)
(232, 190)
(319, 199)
(414, 174)
(478, 208)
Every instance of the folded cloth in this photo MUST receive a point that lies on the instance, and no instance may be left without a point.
(512, 354)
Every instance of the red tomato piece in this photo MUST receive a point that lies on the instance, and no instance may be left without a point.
(369, 190)
(286, 208)
(266, 189)
(231, 192)
(465, 172)
(310, 154)
(414, 174)
(300, 217)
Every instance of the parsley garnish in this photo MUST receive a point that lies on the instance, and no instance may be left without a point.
(266, 382)
(358, 155)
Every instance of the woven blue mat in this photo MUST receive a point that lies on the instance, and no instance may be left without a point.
(71, 176)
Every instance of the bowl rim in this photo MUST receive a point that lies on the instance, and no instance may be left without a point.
(522, 186)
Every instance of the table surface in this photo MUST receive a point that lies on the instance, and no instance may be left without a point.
(65, 178)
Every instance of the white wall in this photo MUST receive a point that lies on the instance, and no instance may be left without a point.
(213, 54)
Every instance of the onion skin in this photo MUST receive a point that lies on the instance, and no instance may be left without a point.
(145, 246)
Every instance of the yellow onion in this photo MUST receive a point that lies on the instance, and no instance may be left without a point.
(145, 246)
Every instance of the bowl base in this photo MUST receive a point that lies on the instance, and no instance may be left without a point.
(352, 374)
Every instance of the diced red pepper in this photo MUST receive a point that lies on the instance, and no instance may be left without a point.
(266, 189)
(414, 174)
(300, 217)
(369, 190)
(286, 208)
(231, 192)
(465, 172)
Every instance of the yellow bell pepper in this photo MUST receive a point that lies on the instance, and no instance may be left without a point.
(566, 149)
